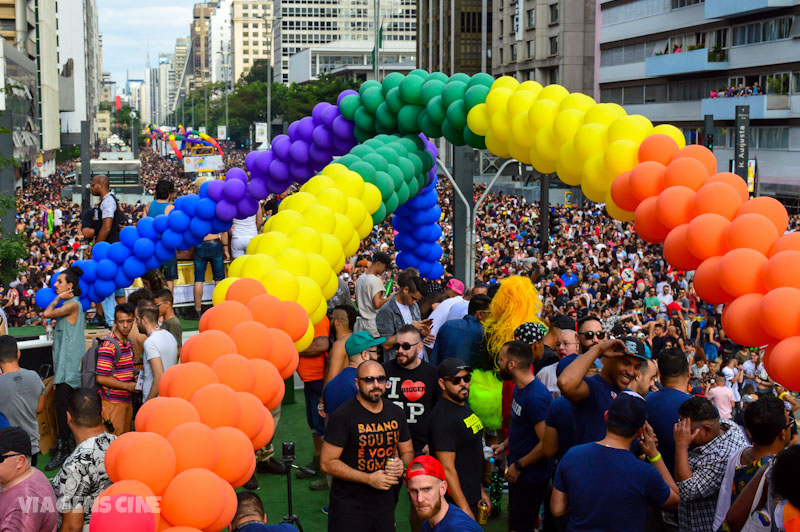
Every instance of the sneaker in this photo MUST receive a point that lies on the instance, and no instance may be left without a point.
(192, 314)
(251, 484)
(312, 469)
(325, 510)
(319, 484)
(271, 466)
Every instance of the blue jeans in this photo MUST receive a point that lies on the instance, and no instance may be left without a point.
(205, 253)
(313, 392)
(171, 269)
(109, 306)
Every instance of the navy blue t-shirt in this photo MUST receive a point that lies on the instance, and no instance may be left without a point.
(564, 362)
(589, 414)
(339, 390)
(608, 489)
(455, 520)
(528, 408)
(559, 417)
(662, 413)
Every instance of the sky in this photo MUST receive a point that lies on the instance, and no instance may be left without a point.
(128, 28)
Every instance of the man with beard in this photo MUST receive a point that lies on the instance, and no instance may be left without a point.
(457, 437)
(364, 442)
(591, 396)
(529, 471)
(412, 384)
(160, 348)
(426, 483)
(590, 333)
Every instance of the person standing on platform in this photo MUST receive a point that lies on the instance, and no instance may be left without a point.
(108, 219)
(162, 205)
(169, 321)
(115, 373)
(370, 296)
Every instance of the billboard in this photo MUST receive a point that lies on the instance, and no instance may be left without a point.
(261, 132)
(222, 132)
(206, 163)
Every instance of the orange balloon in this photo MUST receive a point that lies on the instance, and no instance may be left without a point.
(144, 411)
(244, 290)
(252, 418)
(202, 325)
(622, 194)
(687, 172)
(705, 237)
(252, 339)
(646, 222)
(702, 154)
(733, 180)
(787, 242)
(753, 231)
(266, 309)
(241, 481)
(717, 198)
(227, 314)
(163, 382)
(741, 272)
(647, 180)
(284, 354)
(231, 503)
(187, 345)
(218, 405)
(659, 148)
(265, 435)
(113, 452)
(675, 206)
(235, 371)
(148, 458)
(296, 320)
(781, 270)
(741, 321)
(780, 312)
(236, 454)
(269, 387)
(195, 497)
(769, 207)
(169, 414)
(706, 282)
(675, 251)
(180, 529)
(209, 346)
(784, 364)
(190, 377)
(195, 445)
(135, 489)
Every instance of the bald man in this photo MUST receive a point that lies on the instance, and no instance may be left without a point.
(107, 218)
(365, 441)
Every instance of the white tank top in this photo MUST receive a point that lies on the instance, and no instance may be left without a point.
(244, 228)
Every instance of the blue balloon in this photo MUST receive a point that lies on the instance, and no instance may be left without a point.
(85, 303)
(203, 191)
(146, 229)
(160, 224)
(404, 242)
(153, 263)
(92, 296)
(133, 268)
(220, 226)
(106, 269)
(190, 204)
(178, 204)
(129, 235)
(428, 216)
(206, 208)
(144, 249)
(178, 221)
(89, 271)
(434, 254)
(100, 251)
(44, 296)
(121, 280)
(406, 260)
(401, 223)
(171, 239)
(422, 251)
(84, 286)
(190, 241)
(118, 252)
(163, 253)
(425, 269)
(200, 227)
(104, 289)
(438, 271)
(53, 280)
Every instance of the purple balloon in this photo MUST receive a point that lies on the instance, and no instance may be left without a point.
(279, 170)
(300, 172)
(306, 128)
(343, 128)
(247, 206)
(263, 159)
(276, 186)
(342, 146)
(317, 166)
(316, 113)
(319, 155)
(342, 95)
(235, 190)
(323, 138)
(250, 160)
(329, 115)
(280, 147)
(299, 152)
(215, 190)
(257, 188)
(236, 174)
(226, 211)
(293, 127)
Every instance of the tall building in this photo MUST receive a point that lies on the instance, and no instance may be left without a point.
(219, 39)
(165, 86)
(449, 38)
(251, 24)
(670, 60)
(546, 41)
(199, 35)
(178, 89)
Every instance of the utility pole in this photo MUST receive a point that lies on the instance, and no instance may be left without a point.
(376, 60)
(192, 96)
(273, 21)
(544, 214)
(205, 95)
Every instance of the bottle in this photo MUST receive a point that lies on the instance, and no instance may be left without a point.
(49, 330)
(483, 513)
(496, 485)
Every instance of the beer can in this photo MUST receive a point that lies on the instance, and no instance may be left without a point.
(483, 513)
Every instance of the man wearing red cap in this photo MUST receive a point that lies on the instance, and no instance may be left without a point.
(427, 486)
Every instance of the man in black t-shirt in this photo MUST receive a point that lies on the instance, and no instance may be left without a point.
(365, 439)
(413, 384)
(456, 438)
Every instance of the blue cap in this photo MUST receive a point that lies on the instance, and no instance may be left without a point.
(628, 409)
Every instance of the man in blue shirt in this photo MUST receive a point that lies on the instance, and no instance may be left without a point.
(462, 338)
(662, 406)
(569, 278)
(591, 396)
(250, 516)
(426, 484)
(359, 347)
(603, 486)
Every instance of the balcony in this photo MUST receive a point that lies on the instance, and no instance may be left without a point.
(762, 106)
(731, 8)
(700, 60)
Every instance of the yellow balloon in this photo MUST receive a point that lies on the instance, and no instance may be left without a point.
(317, 183)
(258, 265)
(334, 170)
(236, 265)
(519, 153)
(627, 128)
(496, 146)
(309, 293)
(344, 230)
(542, 165)
(644, 121)
(497, 99)
(670, 131)
(334, 199)
(567, 123)
(531, 86)
(569, 162)
(293, 261)
(595, 182)
(271, 243)
(320, 218)
(339, 266)
(365, 228)
(602, 113)
(499, 125)
(520, 103)
(331, 250)
(252, 245)
(317, 315)
(285, 222)
(281, 284)
(590, 139)
(616, 212)
(542, 113)
(356, 212)
(350, 183)
(619, 109)
(351, 248)
(577, 100)
(505, 81)
(318, 269)
(330, 288)
(621, 156)
(553, 92)
(546, 145)
(478, 119)
(371, 198)
(305, 341)
(306, 239)
(572, 180)
(218, 295)
(521, 130)
(297, 202)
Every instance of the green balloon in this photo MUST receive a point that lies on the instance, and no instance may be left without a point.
(411, 90)
(377, 141)
(427, 159)
(384, 183)
(416, 161)
(361, 135)
(422, 73)
(457, 114)
(387, 153)
(481, 78)
(422, 180)
(393, 100)
(392, 203)
(476, 141)
(364, 121)
(349, 160)
(413, 187)
(452, 134)
(431, 88)
(418, 143)
(362, 150)
(411, 142)
(460, 76)
(398, 148)
(475, 95)
(365, 170)
(366, 85)
(403, 193)
(379, 215)
(396, 175)
(391, 81)
(428, 127)
(408, 116)
(440, 76)
(453, 91)
(349, 104)
(407, 168)
(372, 98)
(378, 162)
(436, 112)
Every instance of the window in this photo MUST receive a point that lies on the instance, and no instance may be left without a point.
(795, 82)
(685, 3)
(655, 93)
(532, 54)
(501, 56)
(554, 45)
(763, 31)
(611, 95)
(553, 76)
(514, 52)
(634, 11)
(501, 26)
(771, 138)
(777, 83)
(531, 18)
(553, 13)
(633, 95)
(7, 24)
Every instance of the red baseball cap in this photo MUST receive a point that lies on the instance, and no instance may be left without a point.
(430, 466)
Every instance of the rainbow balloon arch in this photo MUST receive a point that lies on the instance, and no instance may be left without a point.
(266, 310)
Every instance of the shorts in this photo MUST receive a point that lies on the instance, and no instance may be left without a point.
(170, 269)
(524, 502)
(205, 253)
(239, 246)
(313, 392)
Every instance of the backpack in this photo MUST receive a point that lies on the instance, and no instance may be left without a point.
(89, 362)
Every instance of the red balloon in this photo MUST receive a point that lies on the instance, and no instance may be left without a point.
(622, 194)
(687, 172)
(647, 180)
(741, 272)
(659, 148)
(122, 513)
(131, 488)
(706, 282)
(780, 312)
(741, 321)
(675, 206)
(781, 270)
(790, 241)
(702, 154)
(705, 237)
(769, 207)
(733, 180)
(646, 222)
(675, 251)
(784, 364)
(717, 198)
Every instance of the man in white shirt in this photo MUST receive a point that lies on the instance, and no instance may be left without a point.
(370, 295)
(160, 348)
(665, 297)
(455, 292)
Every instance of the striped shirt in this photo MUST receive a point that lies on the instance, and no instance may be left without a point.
(122, 372)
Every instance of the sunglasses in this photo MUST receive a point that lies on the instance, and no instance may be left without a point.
(600, 335)
(405, 346)
(371, 380)
(3, 458)
(458, 380)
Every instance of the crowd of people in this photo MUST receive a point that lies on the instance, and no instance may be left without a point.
(732, 91)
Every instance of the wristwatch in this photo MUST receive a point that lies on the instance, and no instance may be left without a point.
(518, 465)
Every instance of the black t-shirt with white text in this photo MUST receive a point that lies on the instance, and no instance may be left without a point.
(416, 392)
(367, 440)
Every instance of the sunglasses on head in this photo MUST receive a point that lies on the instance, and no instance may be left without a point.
(459, 380)
(371, 380)
(592, 334)
(405, 346)
(3, 458)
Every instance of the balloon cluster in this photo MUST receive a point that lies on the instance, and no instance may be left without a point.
(312, 143)
(194, 443)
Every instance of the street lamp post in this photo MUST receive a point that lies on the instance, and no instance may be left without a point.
(272, 21)
(226, 55)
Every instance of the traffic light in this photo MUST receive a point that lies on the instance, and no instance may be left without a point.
(708, 131)
(710, 141)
